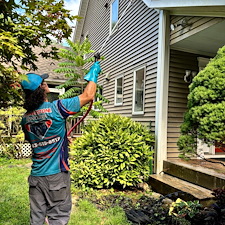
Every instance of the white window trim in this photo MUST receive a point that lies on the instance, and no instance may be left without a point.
(115, 94)
(133, 96)
(114, 29)
(55, 90)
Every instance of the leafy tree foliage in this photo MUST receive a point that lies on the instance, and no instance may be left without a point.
(11, 134)
(76, 60)
(24, 25)
(205, 117)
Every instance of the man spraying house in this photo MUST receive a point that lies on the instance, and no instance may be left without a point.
(44, 125)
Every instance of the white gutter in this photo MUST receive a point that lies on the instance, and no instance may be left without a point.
(162, 91)
(159, 4)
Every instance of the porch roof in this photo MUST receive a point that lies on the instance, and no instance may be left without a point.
(215, 8)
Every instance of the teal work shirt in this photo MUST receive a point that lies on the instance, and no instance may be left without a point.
(45, 129)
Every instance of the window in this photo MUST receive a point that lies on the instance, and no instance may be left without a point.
(54, 94)
(138, 91)
(114, 14)
(119, 91)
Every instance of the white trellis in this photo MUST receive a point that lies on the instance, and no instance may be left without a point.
(26, 150)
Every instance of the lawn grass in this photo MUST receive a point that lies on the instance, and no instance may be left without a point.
(14, 202)
(87, 214)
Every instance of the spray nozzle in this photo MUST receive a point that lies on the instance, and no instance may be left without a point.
(97, 56)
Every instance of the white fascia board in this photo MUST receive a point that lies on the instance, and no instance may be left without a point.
(163, 4)
(79, 24)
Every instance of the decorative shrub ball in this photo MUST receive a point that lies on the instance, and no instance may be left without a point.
(113, 151)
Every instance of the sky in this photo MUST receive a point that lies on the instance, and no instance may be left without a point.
(72, 5)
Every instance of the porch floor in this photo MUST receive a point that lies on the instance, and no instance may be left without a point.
(213, 165)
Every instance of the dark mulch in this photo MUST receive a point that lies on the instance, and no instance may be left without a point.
(146, 210)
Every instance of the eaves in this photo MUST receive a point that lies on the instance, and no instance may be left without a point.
(214, 8)
(79, 24)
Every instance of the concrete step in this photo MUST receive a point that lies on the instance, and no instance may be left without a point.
(199, 175)
(166, 184)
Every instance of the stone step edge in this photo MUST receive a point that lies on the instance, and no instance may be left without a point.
(208, 171)
(184, 186)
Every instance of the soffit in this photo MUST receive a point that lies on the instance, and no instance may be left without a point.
(206, 42)
(160, 4)
(214, 8)
(212, 11)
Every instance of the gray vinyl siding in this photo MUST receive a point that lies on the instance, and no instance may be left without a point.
(195, 24)
(177, 97)
(133, 45)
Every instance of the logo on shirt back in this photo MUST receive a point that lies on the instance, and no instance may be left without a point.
(39, 129)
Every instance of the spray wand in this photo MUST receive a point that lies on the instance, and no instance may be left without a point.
(97, 57)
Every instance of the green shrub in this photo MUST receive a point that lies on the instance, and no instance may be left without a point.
(205, 117)
(114, 151)
(186, 144)
(11, 134)
(188, 209)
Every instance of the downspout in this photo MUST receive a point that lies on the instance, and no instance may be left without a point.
(162, 91)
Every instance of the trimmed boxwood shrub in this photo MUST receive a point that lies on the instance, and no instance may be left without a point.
(113, 151)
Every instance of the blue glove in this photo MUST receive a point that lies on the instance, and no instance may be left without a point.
(93, 73)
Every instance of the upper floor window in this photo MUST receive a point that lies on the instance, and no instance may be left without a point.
(119, 90)
(138, 92)
(114, 14)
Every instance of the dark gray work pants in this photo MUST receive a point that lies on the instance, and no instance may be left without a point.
(50, 197)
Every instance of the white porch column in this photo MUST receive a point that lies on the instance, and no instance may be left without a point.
(162, 91)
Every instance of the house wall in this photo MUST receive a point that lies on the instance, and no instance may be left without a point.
(186, 26)
(134, 44)
(177, 99)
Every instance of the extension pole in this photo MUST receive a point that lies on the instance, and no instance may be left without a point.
(131, 1)
(97, 57)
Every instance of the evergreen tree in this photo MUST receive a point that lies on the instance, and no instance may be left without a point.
(205, 117)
